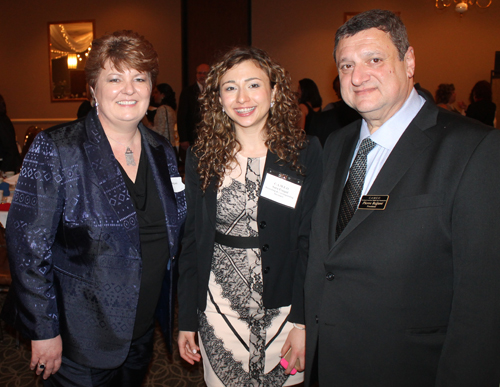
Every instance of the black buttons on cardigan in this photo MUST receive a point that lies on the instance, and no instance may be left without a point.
(265, 247)
(330, 276)
(262, 224)
(266, 270)
(317, 319)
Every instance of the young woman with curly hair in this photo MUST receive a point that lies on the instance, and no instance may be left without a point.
(252, 179)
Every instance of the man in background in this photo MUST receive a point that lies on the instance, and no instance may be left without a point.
(334, 116)
(188, 114)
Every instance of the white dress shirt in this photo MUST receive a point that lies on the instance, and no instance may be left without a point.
(386, 138)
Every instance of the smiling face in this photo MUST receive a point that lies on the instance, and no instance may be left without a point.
(123, 97)
(246, 95)
(373, 79)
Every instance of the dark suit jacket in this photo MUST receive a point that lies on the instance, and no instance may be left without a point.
(483, 111)
(188, 114)
(283, 235)
(327, 122)
(73, 242)
(410, 296)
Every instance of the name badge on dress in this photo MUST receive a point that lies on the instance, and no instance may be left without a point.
(373, 202)
(177, 184)
(281, 188)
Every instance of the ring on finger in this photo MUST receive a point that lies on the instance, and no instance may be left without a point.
(41, 366)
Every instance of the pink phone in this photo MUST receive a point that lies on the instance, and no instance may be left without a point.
(286, 359)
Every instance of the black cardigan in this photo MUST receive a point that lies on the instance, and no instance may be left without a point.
(283, 237)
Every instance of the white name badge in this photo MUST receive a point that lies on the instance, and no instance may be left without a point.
(177, 184)
(281, 188)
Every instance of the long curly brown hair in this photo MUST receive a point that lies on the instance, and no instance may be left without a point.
(216, 144)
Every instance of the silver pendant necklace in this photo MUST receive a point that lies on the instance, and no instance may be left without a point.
(129, 155)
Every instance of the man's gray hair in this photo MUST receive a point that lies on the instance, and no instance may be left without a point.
(382, 20)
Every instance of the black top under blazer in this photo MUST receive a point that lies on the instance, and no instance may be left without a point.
(283, 237)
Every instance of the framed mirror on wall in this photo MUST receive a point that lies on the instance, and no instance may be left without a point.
(69, 46)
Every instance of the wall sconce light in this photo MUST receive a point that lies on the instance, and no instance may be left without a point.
(72, 61)
(462, 5)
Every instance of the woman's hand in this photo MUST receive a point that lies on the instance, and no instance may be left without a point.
(188, 349)
(297, 340)
(47, 352)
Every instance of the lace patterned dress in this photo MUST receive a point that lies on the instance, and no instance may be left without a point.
(240, 339)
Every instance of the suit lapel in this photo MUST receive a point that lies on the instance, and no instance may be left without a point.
(109, 177)
(272, 162)
(210, 202)
(411, 144)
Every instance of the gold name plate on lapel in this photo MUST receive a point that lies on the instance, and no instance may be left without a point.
(372, 202)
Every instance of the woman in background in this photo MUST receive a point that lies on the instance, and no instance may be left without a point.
(245, 249)
(446, 96)
(309, 102)
(93, 230)
(164, 116)
(481, 105)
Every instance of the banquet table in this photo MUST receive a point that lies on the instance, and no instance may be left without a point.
(4, 211)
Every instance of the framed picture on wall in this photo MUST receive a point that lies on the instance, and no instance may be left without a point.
(348, 15)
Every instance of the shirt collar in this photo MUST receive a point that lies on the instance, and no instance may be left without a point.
(389, 133)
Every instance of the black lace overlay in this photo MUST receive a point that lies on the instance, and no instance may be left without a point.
(236, 284)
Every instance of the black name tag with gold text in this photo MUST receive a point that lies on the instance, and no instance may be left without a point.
(373, 202)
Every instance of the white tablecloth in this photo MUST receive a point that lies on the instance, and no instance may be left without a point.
(3, 217)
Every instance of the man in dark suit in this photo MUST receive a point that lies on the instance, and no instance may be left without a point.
(188, 114)
(326, 122)
(333, 117)
(402, 285)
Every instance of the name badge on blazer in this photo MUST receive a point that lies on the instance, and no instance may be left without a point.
(373, 202)
(177, 184)
(281, 188)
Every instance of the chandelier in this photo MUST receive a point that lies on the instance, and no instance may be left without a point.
(462, 5)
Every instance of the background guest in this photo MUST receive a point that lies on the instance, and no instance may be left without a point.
(424, 92)
(327, 121)
(244, 253)
(446, 97)
(188, 115)
(9, 152)
(164, 112)
(336, 89)
(481, 106)
(93, 229)
(309, 102)
(86, 106)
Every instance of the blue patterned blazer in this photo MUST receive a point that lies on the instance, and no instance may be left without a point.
(73, 242)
